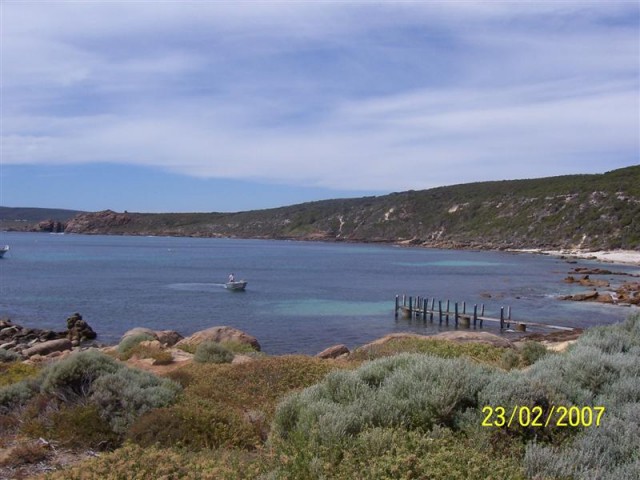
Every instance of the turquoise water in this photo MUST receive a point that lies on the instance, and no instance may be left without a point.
(301, 298)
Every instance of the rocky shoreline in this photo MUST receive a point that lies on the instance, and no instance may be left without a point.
(624, 293)
(26, 342)
(38, 346)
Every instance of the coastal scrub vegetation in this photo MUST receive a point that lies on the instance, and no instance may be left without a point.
(440, 348)
(128, 344)
(212, 352)
(380, 414)
(88, 398)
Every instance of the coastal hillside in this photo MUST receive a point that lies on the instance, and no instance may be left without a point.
(600, 211)
(35, 219)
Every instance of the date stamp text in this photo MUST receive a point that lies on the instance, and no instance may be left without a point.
(555, 416)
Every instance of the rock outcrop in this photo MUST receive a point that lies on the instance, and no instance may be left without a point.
(98, 222)
(585, 281)
(45, 348)
(167, 338)
(220, 334)
(336, 351)
(29, 342)
(78, 330)
(51, 226)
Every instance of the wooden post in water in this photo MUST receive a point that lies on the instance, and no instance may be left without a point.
(447, 311)
(424, 309)
(501, 318)
(410, 307)
(456, 313)
(440, 310)
(433, 307)
(481, 315)
(464, 307)
(397, 306)
(475, 314)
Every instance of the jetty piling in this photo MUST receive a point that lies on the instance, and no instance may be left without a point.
(419, 307)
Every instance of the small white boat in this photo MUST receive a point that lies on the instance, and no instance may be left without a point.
(3, 249)
(236, 285)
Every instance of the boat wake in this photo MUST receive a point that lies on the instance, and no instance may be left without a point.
(196, 287)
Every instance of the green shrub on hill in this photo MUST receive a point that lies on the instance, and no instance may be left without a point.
(7, 356)
(113, 394)
(402, 416)
(16, 395)
(603, 369)
(212, 352)
(440, 348)
(128, 344)
(16, 371)
(126, 394)
(411, 391)
(71, 379)
(320, 429)
(225, 405)
(531, 352)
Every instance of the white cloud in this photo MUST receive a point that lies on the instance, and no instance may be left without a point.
(374, 96)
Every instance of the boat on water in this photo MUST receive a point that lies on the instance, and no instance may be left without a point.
(236, 285)
(3, 249)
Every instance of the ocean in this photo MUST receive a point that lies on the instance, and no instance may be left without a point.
(301, 297)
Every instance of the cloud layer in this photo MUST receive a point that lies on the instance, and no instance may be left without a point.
(372, 96)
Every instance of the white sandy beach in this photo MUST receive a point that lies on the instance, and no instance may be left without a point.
(627, 257)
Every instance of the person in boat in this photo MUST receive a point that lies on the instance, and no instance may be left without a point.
(232, 278)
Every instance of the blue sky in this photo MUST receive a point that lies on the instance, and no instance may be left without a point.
(226, 106)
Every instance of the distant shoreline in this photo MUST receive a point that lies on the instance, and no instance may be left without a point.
(624, 257)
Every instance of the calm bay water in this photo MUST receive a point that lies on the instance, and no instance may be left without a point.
(301, 298)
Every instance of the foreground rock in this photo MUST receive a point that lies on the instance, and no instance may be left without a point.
(220, 335)
(45, 348)
(337, 351)
(167, 338)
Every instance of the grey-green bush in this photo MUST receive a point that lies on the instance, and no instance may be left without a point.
(120, 394)
(608, 452)
(603, 369)
(72, 378)
(128, 343)
(8, 356)
(15, 395)
(124, 395)
(532, 352)
(212, 352)
(412, 391)
(510, 359)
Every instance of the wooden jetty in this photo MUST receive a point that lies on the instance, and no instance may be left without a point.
(421, 308)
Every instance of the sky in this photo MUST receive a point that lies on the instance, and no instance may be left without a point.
(203, 106)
